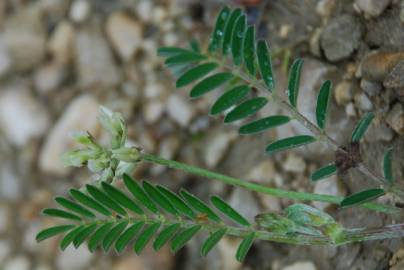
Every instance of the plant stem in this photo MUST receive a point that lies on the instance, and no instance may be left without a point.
(280, 193)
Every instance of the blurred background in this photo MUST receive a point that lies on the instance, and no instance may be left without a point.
(61, 59)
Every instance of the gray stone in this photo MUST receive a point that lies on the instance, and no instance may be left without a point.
(376, 66)
(245, 203)
(330, 186)
(217, 147)
(5, 60)
(180, 110)
(49, 77)
(301, 265)
(395, 79)
(79, 10)
(341, 37)
(371, 8)
(294, 163)
(10, 182)
(5, 249)
(371, 88)
(395, 118)
(363, 102)
(73, 258)
(152, 111)
(17, 263)
(325, 7)
(61, 43)
(379, 132)
(264, 172)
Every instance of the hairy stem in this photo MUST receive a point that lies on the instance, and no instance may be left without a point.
(280, 193)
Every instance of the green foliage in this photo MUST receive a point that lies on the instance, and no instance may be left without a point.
(245, 246)
(294, 81)
(362, 196)
(322, 103)
(387, 166)
(362, 126)
(324, 172)
(264, 124)
(288, 143)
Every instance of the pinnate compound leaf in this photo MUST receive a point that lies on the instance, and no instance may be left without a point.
(183, 237)
(324, 172)
(127, 236)
(246, 109)
(145, 237)
(165, 235)
(217, 34)
(177, 202)
(97, 237)
(230, 98)
(212, 241)
(237, 40)
(265, 64)
(103, 198)
(199, 205)
(113, 234)
(245, 246)
(322, 103)
(184, 58)
(362, 126)
(228, 30)
(70, 205)
(263, 124)
(84, 234)
(362, 197)
(52, 231)
(86, 200)
(387, 166)
(139, 193)
(210, 83)
(229, 211)
(159, 198)
(249, 49)
(60, 214)
(195, 73)
(121, 198)
(288, 143)
(294, 81)
(68, 238)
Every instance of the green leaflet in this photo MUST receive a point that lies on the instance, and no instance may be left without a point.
(362, 197)
(103, 198)
(322, 103)
(249, 49)
(159, 198)
(183, 237)
(199, 205)
(68, 238)
(89, 202)
(194, 45)
(113, 234)
(245, 246)
(60, 214)
(139, 194)
(362, 126)
(52, 231)
(145, 237)
(229, 211)
(210, 83)
(83, 234)
(127, 236)
(166, 234)
(170, 51)
(177, 202)
(195, 73)
(70, 205)
(265, 64)
(228, 30)
(245, 109)
(387, 166)
(263, 124)
(217, 34)
(288, 143)
(212, 241)
(98, 235)
(121, 198)
(237, 40)
(324, 172)
(294, 81)
(184, 58)
(303, 214)
(230, 98)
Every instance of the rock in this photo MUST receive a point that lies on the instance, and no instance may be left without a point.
(325, 8)
(363, 102)
(94, 60)
(395, 79)
(371, 88)
(179, 109)
(371, 8)
(124, 33)
(215, 150)
(330, 186)
(4, 218)
(49, 77)
(144, 10)
(302, 265)
(294, 163)
(395, 118)
(10, 182)
(350, 110)
(79, 11)
(379, 132)
(377, 65)
(22, 117)
(227, 248)
(5, 249)
(343, 93)
(315, 48)
(397, 261)
(73, 258)
(153, 89)
(148, 260)
(264, 172)
(341, 37)
(61, 43)
(80, 115)
(25, 30)
(152, 111)
(17, 263)
(5, 60)
(244, 202)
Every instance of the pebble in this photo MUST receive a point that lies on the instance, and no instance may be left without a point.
(314, 42)
(5, 249)
(180, 110)
(325, 8)
(371, 8)
(363, 102)
(80, 115)
(5, 60)
(371, 88)
(329, 186)
(22, 117)
(350, 110)
(49, 77)
(10, 183)
(395, 118)
(79, 11)
(124, 33)
(294, 163)
(17, 263)
(380, 132)
(397, 260)
(395, 79)
(152, 111)
(341, 37)
(376, 66)
(61, 43)
(217, 147)
(302, 265)
(264, 172)
(244, 202)
(153, 89)
(74, 258)
(144, 10)
(3, 219)
(343, 92)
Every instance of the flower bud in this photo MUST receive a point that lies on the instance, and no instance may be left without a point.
(127, 154)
